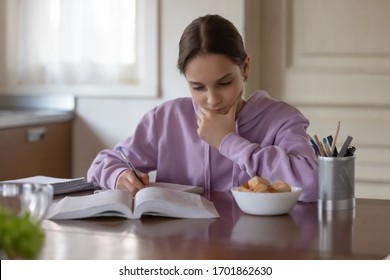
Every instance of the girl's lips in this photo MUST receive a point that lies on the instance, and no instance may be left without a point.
(216, 111)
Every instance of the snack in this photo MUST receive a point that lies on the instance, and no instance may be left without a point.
(279, 186)
(258, 184)
(261, 185)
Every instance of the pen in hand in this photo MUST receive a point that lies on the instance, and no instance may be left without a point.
(129, 164)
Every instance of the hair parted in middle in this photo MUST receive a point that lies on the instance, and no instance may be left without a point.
(210, 34)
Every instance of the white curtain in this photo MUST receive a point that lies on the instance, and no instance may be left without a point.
(76, 42)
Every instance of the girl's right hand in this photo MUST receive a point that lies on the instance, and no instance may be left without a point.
(127, 181)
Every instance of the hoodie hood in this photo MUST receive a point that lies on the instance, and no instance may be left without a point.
(256, 104)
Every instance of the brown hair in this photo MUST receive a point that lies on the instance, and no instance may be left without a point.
(210, 34)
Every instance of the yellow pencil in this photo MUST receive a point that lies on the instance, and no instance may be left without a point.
(320, 146)
(334, 139)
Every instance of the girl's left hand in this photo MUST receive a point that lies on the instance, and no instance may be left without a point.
(212, 127)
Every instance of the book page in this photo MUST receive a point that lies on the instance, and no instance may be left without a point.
(171, 203)
(107, 203)
(177, 187)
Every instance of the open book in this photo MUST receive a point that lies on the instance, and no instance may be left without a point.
(148, 201)
(60, 185)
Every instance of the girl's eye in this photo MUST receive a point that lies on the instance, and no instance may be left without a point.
(198, 88)
(224, 84)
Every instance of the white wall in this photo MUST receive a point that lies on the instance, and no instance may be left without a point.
(102, 122)
(331, 60)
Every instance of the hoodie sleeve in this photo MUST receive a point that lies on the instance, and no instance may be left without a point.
(140, 148)
(284, 153)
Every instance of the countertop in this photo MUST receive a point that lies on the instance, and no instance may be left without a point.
(10, 118)
(16, 111)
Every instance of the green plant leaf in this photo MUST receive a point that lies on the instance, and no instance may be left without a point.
(20, 238)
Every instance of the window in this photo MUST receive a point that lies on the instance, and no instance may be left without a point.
(82, 47)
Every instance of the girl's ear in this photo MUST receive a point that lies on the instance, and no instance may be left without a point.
(245, 68)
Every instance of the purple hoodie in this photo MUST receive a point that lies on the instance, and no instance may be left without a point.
(270, 141)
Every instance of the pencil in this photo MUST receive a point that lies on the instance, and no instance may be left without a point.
(320, 146)
(330, 140)
(334, 139)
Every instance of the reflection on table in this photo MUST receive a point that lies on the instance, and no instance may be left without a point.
(304, 233)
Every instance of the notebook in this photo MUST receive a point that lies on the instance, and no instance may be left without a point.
(61, 186)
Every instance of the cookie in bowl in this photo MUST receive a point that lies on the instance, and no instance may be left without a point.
(260, 197)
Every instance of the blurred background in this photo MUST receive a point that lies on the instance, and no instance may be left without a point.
(77, 76)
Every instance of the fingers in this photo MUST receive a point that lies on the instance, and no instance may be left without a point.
(200, 119)
(144, 178)
(127, 181)
(213, 127)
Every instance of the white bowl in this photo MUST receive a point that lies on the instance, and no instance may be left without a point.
(19, 198)
(266, 203)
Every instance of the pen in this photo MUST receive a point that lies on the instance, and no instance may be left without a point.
(326, 146)
(129, 164)
(313, 143)
(350, 151)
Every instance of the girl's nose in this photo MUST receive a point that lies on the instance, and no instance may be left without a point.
(213, 99)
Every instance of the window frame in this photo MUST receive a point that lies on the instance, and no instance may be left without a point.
(147, 86)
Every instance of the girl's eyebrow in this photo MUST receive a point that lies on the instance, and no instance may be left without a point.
(219, 79)
(226, 76)
(194, 83)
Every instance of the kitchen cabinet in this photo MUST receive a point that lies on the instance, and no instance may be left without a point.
(36, 150)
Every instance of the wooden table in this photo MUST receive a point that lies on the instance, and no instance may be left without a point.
(362, 233)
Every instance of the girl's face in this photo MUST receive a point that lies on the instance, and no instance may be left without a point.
(216, 83)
